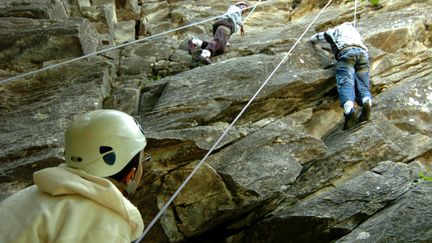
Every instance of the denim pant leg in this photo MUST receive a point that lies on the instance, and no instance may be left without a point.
(362, 75)
(345, 75)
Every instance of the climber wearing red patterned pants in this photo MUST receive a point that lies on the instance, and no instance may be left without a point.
(223, 28)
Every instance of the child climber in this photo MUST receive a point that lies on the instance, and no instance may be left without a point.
(223, 28)
(352, 70)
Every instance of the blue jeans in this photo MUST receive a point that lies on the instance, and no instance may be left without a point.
(352, 75)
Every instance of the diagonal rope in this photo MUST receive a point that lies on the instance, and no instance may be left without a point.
(115, 47)
(355, 13)
(171, 199)
(253, 9)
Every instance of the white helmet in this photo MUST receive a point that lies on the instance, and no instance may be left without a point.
(102, 142)
(239, 4)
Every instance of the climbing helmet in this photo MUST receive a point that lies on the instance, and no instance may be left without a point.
(242, 5)
(103, 142)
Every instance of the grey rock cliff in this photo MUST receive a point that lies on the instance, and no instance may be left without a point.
(285, 172)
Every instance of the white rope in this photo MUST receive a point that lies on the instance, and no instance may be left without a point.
(355, 13)
(171, 199)
(103, 51)
(113, 48)
(244, 21)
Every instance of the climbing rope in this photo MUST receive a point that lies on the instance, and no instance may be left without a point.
(253, 9)
(355, 13)
(116, 47)
(171, 199)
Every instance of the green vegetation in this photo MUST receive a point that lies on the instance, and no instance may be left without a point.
(425, 177)
(373, 2)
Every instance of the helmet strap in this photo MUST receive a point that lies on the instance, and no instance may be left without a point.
(128, 185)
(131, 187)
(131, 180)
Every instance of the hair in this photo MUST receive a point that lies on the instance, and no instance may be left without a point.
(134, 162)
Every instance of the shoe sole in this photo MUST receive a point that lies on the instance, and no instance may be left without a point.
(204, 61)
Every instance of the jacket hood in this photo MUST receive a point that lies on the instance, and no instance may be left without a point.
(63, 180)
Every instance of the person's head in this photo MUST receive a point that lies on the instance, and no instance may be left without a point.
(107, 143)
(243, 6)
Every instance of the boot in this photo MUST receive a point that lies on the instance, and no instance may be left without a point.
(205, 60)
(191, 46)
(365, 114)
(349, 119)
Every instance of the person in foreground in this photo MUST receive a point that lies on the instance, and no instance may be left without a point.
(223, 28)
(352, 70)
(83, 200)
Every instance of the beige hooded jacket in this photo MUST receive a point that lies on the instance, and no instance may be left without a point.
(69, 205)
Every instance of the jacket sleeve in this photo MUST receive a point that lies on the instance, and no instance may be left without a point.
(239, 19)
(318, 38)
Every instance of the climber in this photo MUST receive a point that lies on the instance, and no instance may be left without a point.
(83, 200)
(223, 28)
(352, 70)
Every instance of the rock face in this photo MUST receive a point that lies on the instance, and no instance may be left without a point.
(285, 171)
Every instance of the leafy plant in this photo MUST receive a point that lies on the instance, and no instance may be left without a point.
(425, 177)
(373, 2)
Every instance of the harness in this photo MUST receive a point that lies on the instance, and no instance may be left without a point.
(227, 22)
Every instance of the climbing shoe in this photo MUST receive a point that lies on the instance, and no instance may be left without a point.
(205, 60)
(191, 47)
(365, 114)
(349, 119)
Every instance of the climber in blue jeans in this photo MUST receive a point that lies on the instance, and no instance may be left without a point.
(352, 70)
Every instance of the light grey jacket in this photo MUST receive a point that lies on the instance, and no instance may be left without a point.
(234, 13)
(340, 37)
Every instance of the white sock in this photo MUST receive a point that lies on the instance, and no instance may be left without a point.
(367, 99)
(348, 107)
(197, 42)
(205, 53)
